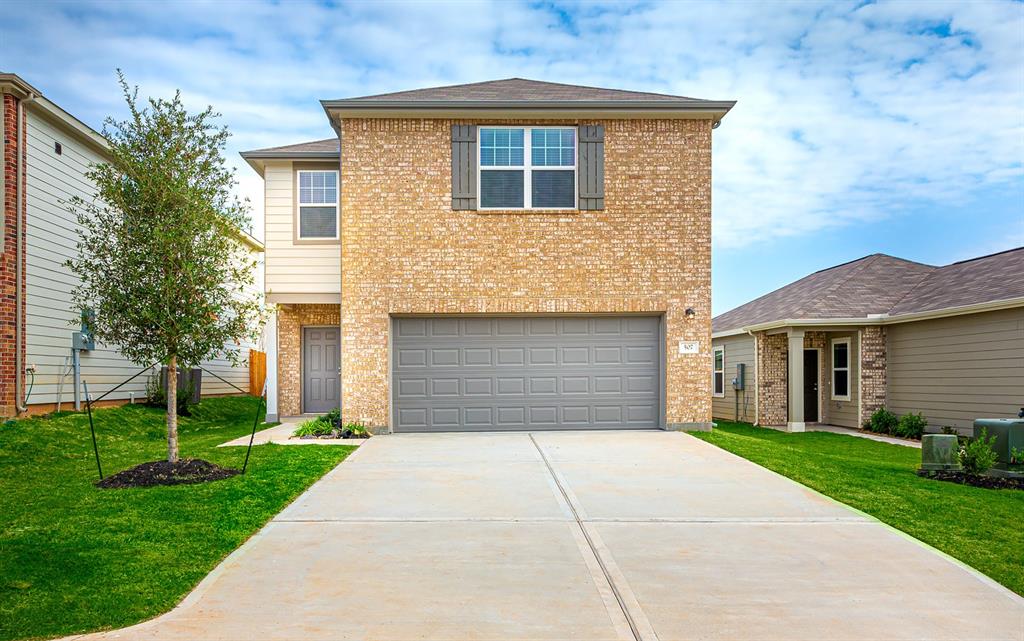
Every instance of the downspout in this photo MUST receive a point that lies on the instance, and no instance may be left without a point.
(19, 294)
(757, 377)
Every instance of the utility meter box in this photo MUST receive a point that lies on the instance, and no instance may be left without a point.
(1009, 433)
(83, 339)
(741, 374)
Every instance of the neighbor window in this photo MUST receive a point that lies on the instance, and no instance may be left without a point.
(718, 371)
(318, 205)
(841, 369)
(527, 168)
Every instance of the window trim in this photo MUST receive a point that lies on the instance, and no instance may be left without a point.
(297, 237)
(528, 168)
(833, 369)
(714, 352)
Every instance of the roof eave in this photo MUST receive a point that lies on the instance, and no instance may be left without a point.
(878, 319)
(256, 159)
(348, 108)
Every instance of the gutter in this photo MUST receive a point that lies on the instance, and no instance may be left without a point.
(355, 108)
(19, 292)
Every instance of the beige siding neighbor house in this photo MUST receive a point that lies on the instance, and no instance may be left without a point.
(878, 332)
(56, 150)
(495, 256)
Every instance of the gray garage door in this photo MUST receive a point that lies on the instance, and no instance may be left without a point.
(515, 373)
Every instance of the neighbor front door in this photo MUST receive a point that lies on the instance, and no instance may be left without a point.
(811, 385)
(320, 354)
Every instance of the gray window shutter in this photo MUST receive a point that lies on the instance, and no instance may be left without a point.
(591, 166)
(463, 166)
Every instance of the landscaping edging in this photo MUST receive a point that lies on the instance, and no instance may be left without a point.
(988, 482)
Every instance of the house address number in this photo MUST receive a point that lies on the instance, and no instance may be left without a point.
(689, 347)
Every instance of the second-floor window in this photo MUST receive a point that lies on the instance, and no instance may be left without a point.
(527, 167)
(318, 205)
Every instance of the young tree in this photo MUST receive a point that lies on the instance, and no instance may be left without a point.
(159, 251)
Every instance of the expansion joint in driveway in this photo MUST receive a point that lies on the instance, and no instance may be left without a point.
(639, 626)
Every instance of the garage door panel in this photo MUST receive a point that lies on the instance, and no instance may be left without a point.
(526, 373)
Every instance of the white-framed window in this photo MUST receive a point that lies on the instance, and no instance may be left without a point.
(841, 369)
(317, 216)
(718, 371)
(527, 167)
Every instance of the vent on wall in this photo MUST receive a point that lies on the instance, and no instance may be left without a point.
(58, 148)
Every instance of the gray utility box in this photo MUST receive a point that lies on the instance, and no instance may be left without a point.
(1009, 433)
(940, 452)
(187, 378)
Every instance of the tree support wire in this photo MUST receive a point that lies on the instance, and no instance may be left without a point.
(92, 427)
(255, 420)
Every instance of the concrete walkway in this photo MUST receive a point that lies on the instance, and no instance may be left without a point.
(282, 435)
(597, 536)
(849, 431)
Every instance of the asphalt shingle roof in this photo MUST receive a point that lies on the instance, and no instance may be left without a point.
(882, 284)
(516, 89)
(328, 145)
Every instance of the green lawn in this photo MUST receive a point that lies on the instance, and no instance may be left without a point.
(75, 558)
(983, 528)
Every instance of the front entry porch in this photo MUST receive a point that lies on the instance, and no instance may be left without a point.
(820, 375)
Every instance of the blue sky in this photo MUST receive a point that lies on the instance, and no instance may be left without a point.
(893, 127)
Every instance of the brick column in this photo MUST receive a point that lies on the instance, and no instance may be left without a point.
(771, 378)
(8, 266)
(872, 358)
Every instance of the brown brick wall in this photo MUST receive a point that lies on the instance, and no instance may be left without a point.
(290, 321)
(872, 371)
(405, 251)
(772, 377)
(8, 261)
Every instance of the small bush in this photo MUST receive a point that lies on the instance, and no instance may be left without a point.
(882, 421)
(333, 418)
(911, 425)
(977, 456)
(313, 427)
(357, 429)
(1016, 456)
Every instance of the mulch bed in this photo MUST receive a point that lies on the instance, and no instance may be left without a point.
(164, 473)
(342, 435)
(989, 482)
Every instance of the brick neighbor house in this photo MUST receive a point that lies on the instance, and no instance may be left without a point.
(880, 331)
(501, 255)
(46, 152)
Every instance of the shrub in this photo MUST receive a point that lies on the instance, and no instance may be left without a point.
(357, 429)
(313, 427)
(911, 425)
(977, 456)
(1017, 456)
(882, 421)
(333, 418)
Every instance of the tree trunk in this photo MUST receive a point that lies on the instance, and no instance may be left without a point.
(172, 409)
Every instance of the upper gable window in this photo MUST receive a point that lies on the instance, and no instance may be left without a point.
(318, 205)
(527, 167)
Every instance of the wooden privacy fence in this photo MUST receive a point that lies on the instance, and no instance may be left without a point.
(257, 371)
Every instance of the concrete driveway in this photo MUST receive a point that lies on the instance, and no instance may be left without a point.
(557, 536)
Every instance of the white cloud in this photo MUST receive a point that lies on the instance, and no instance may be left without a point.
(847, 112)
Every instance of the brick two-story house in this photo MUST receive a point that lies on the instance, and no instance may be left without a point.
(500, 255)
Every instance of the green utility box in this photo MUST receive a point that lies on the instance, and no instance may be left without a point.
(1009, 433)
(940, 452)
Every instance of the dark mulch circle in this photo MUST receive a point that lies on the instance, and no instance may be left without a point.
(163, 473)
(989, 482)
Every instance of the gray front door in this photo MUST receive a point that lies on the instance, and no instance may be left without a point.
(320, 353)
(525, 373)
